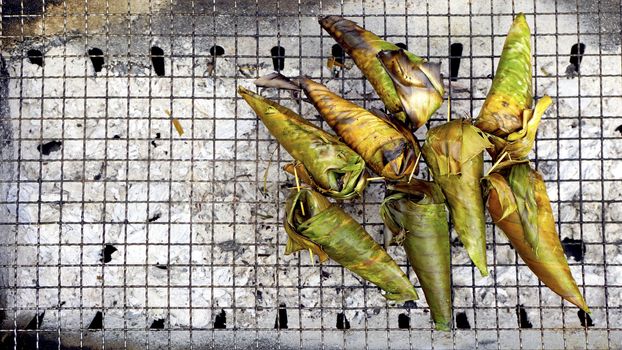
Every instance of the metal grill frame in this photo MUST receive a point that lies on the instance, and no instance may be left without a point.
(300, 334)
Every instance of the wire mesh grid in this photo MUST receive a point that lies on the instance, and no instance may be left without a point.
(120, 231)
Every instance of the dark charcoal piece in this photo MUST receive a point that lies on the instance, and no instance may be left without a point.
(157, 60)
(342, 321)
(403, 321)
(574, 248)
(523, 320)
(98, 321)
(585, 319)
(97, 58)
(278, 57)
(221, 320)
(35, 57)
(157, 324)
(619, 129)
(49, 147)
(155, 217)
(281, 318)
(107, 253)
(455, 52)
(462, 322)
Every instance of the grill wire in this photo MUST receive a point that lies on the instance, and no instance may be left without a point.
(133, 236)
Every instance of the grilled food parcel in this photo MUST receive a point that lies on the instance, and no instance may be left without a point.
(313, 223)
(386, 145)
(516, 194)
(410, 87)
(321, 160)
(454, 154)
(416, 217)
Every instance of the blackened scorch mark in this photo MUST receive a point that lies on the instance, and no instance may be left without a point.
(97, 58)
(49, 147)
(576, 55)
(338, 53)
(523, 320)
(98, 321)
(585, 319)
(107, 253)
(157, 59)
(403, 321)
(455, 52)
(216, 50)
(462, 321)
(278, 57)
(281, 318)
(157, 324)
(161, 266)
(574, 248)
(35, 57)
(342, 321)
(221, 320)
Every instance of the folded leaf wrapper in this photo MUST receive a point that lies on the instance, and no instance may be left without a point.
(386, 145)
(548, 261)
(511, 90)
(363, 46)
(517, 145)
(454, 154)
(312, 222)
(322, 160)
(418, 84)
(415, 213)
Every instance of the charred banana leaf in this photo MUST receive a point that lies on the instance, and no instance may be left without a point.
(548, 262)
(511, 91)
(322, 160)
(418, 84)
(387, 146)
(363, 46)
(517, 145)
(415, 213)
(454, 154)
(312, 222)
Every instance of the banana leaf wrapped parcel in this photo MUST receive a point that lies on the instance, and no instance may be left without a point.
(511, 91)
(548, 261)
(407, 69)
(386, 145)
(416, 216)
(322, 160)
(418, 84)
(454, 154)
(313, 223)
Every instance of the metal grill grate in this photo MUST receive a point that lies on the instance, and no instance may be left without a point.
(119, 232)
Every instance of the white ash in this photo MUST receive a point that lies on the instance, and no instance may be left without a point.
(242, 270)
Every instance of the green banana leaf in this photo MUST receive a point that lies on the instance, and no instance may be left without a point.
(454, 154)
(511, 90)
(312, 222)
(329, 165)
(415, 214)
